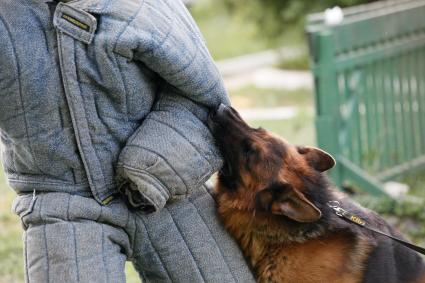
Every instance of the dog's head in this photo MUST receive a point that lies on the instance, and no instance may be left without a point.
(264, 173)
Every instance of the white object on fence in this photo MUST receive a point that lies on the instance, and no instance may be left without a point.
(334, 16)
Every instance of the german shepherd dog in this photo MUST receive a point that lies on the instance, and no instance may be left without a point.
(273, 198)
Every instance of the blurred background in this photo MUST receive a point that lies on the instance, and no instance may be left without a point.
(350, 81)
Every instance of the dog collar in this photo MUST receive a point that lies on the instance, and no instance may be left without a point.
(353, 218)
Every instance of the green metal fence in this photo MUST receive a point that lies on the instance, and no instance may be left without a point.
(369, 74)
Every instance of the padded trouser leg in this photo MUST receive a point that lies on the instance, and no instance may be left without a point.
(73, 239)
(186, 243)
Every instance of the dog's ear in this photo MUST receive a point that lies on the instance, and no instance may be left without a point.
(297, 207)
(289, 202)
(317, 158)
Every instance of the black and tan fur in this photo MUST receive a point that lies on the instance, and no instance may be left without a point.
(272, 197)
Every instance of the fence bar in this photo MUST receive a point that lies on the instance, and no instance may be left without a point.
(370, 91)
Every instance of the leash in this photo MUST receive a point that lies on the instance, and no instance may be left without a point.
(335, 205)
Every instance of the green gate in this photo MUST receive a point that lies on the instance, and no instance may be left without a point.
(369, 74)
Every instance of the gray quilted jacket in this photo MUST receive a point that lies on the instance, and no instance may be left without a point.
(98, 95)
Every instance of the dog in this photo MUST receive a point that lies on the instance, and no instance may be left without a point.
(273, 198)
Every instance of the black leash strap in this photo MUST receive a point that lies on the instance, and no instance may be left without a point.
(361, 222)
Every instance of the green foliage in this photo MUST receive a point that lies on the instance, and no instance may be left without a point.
(275, 15)
(228, 34)
(296, 63)
(407, 215)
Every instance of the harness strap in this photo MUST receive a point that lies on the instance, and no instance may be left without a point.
(361, 222)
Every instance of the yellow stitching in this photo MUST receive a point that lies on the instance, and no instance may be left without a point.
(75, 22)
(107, 200)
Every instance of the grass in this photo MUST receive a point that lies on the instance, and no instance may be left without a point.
(11, 260)
(301, 62)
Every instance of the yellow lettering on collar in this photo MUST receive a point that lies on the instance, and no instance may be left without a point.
(75, 22)
(357, 220)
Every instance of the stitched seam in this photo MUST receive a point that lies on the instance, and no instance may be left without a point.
(76, 33)
(75, 251)
(156, 251)
(45, 243)
(124, 86)
(207, 91)
(40, 25)
(134, 239)
(192, 59)
(130, 21)
(185, 106)
(85, 15)
(45, 183)
(26, 257)
(67, 209)
(128, 219)
(162, 157)
(141, 171)
(157, 45)
(149, 199)
(46, 253)
(85, 118)
(103, 254)
(187, 246)
(75, 238)
(215, 240)
(189, 25)
(70, 106)
(92, 6)
(100, 214)
(178, 132)
(39, 211)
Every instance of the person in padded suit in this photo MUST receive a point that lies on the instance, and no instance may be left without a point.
(103, 109)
